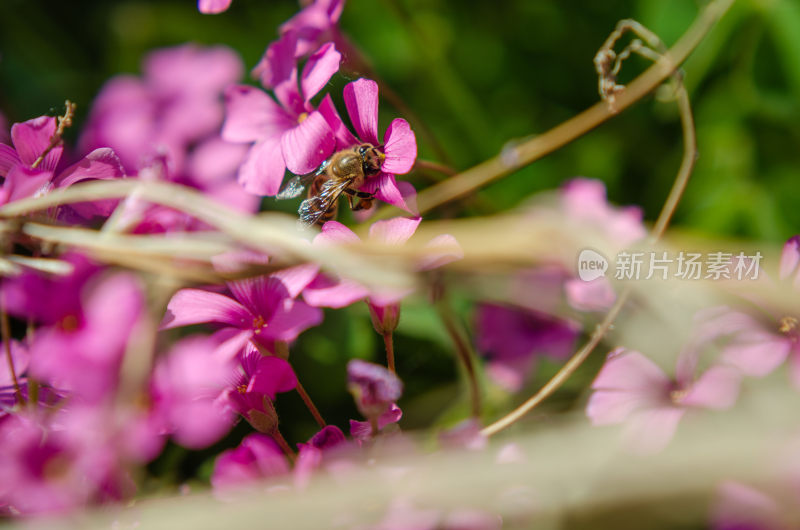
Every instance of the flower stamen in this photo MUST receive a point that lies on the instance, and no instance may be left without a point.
(787, 324)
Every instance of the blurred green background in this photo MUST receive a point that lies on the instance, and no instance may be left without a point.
(479, 74)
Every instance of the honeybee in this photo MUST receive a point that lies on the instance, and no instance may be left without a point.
(344, 172)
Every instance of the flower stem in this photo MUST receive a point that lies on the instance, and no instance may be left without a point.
(463, 351)
(423, 164)
(389, 343)
(664, 217)
(310, 404)
(284, 445)
(5, 330)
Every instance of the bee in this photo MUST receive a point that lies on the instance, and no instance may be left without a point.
(342, 173)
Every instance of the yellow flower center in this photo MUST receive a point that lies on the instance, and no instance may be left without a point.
(787, 324)
(259, 323)
(676, 396)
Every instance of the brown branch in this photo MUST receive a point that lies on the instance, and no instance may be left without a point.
(671, 203)
(525, 152)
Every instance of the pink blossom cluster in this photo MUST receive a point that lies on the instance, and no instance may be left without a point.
(102, 370)
(92, 386)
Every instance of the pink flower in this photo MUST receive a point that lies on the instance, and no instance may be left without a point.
(255, 460)
(326, 292)
(375, 390)
(632, 389)
(583, 202)
(84, 359)
(290, 134)
(513, 339)
(53, 469)
(213, 7)
(185, 386)
(362, 430)
(741, 507)
(314, 24)
(253, 389)
(50, 298)
(399, 142)
(263, 309)
(758, 341)
(31, 139)
(176, 103)
(514, 336)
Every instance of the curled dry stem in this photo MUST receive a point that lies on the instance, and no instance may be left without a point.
(610, 90)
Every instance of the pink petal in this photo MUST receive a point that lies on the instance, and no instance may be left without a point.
(609, 407)
(361, 100)
(32, 137)
(650, 431)
(716, 389)
(790, 257)
(272, 375)
(324, 292)
(394, 231)
(259, 294)
(334, 232)
(794, 367)
(594, 295)
(212, 7)
(509, 378)
(8, 159)
(630, 370)
(740, 507)
(382, 297)
(99, 164)
(189, 70)
(198, 424)
(409, 195)
(443, 249)
(112, 309)
(252, 115)
(22, 182)
(278, 63)
(318, 70)
(307, 145)
(215, 161)
(195, 306)
(344, 138)
(263, 170)
(297, 278)
(757, 353)
(400, 148)
(231, 342)
(385, 189)
(291, 318)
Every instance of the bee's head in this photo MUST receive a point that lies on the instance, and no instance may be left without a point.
(371, 158)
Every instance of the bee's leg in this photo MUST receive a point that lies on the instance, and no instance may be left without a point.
(365, 199)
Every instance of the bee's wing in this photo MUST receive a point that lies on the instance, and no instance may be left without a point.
(314, 208)
(298, 183)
